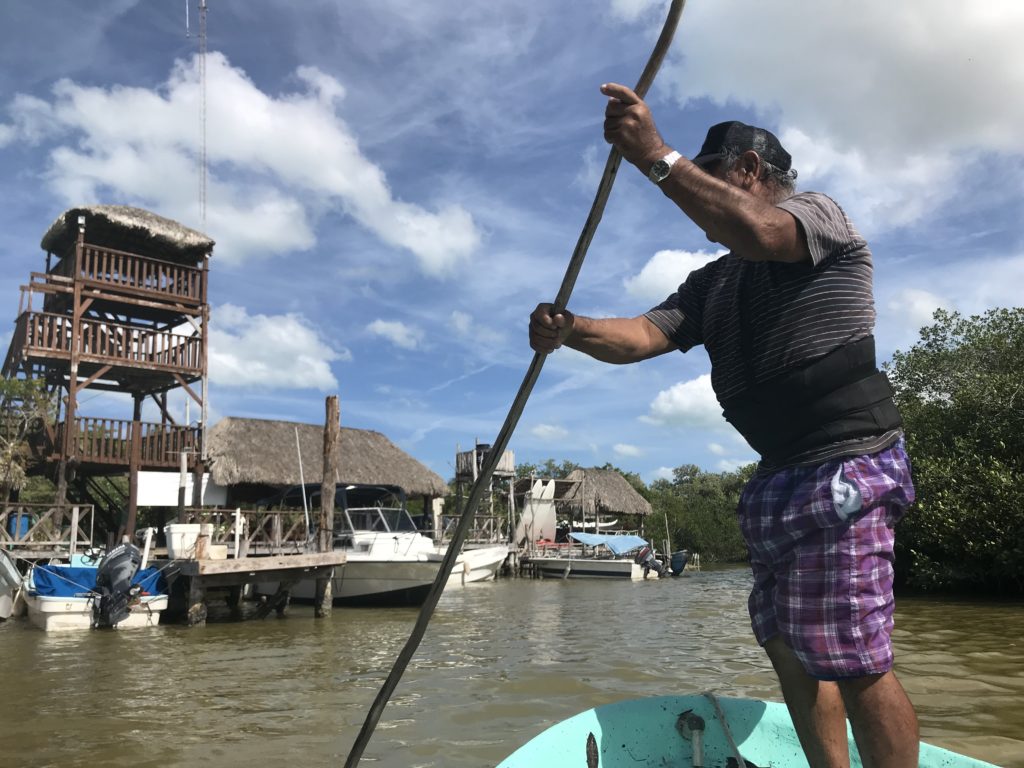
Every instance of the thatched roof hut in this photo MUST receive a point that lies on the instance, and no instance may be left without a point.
(604, 491)
(124, 228)
(592, 491)
(263, 452)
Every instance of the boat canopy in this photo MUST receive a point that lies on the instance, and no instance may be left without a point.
(620, 545)
(68, 581)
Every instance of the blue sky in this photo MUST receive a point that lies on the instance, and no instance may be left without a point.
(393, 186)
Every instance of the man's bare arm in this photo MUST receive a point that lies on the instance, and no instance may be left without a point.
(733, 211)
(731, 215)
(616, 340)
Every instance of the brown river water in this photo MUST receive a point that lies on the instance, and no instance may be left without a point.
(500, 662)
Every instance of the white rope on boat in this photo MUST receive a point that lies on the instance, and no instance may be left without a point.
(725, 727)
(88, 591)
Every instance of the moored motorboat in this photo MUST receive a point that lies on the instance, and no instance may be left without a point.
(95, 592)
(598, 555)
(389, 562)
(476, 562)
(685, 731)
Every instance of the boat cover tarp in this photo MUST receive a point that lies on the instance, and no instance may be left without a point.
(68, 581)
(620, 544)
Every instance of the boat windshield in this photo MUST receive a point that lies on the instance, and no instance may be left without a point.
(378, 519)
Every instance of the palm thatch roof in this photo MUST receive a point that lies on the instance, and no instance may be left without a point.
(605, 491)
(591, 490)
(124, 228)
(264, 451)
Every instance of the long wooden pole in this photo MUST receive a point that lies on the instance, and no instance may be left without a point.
(518, 405)
(325, 526)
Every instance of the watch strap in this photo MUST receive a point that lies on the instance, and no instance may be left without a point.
(661, 168)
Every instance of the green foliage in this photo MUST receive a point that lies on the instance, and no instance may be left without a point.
(548, 469)
(697, 507)
(701, 511)
(25, 406)
(961, 392)
(37, 490)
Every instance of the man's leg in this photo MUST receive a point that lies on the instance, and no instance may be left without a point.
(815, 706)
(883, 720)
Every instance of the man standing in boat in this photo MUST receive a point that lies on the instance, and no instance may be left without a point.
(787, 318)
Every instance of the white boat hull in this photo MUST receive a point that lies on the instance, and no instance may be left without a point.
(389, 562)
(588, 568)
(368, 581)
(59, 614)
(477, 564)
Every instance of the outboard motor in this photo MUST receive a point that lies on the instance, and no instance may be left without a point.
(646, 558)
(114, 583)
(679, 561)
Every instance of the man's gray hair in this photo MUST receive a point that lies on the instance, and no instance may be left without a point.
(783, 183)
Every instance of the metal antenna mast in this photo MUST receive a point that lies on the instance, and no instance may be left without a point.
(202, 113)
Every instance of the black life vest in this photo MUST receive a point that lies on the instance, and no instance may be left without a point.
(841, 396)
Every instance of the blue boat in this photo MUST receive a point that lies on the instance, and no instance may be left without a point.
(683, 731)
(93, 592)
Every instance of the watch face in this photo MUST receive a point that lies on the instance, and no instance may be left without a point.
(659, 171)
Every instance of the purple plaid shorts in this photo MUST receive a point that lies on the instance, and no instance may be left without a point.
(821, 548)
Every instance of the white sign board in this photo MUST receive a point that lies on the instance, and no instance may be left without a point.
(160, 489)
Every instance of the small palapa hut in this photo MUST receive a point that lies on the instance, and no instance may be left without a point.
(598, 492)
(586, 499)
(126, 228)
(254, 458)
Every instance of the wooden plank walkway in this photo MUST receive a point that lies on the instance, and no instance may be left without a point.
(235, 573)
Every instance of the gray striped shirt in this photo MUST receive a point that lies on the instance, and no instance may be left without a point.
(760, 319)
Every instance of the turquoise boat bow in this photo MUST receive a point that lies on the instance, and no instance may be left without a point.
(683, 731)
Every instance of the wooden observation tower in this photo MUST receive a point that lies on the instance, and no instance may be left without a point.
(494, 520)
(121, 307)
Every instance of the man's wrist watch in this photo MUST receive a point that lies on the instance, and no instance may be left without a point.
(661, 168)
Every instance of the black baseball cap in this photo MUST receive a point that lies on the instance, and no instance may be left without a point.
(740, 137)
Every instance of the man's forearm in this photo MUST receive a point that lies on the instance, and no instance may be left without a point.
(744, 223)
(618, 340)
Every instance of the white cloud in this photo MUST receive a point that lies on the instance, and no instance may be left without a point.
(549, 432)
(461, 322)
(970, 286)
(664, 272)
(897, 103)
(717, 448)
(269, 351)
(688, 403)
(914, 307)
(913, 186)
(663, 473)
(591, 167)
(731, 465)
(624, 449)
(274, 162)
(33, 121)
(468, 327)
(631, 10)
(398, 333)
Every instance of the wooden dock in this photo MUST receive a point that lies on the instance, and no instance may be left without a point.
(235, 573)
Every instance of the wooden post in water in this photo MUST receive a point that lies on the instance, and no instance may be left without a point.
(182, 484)
(134, 461)
(325, 527)
(195, 615)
